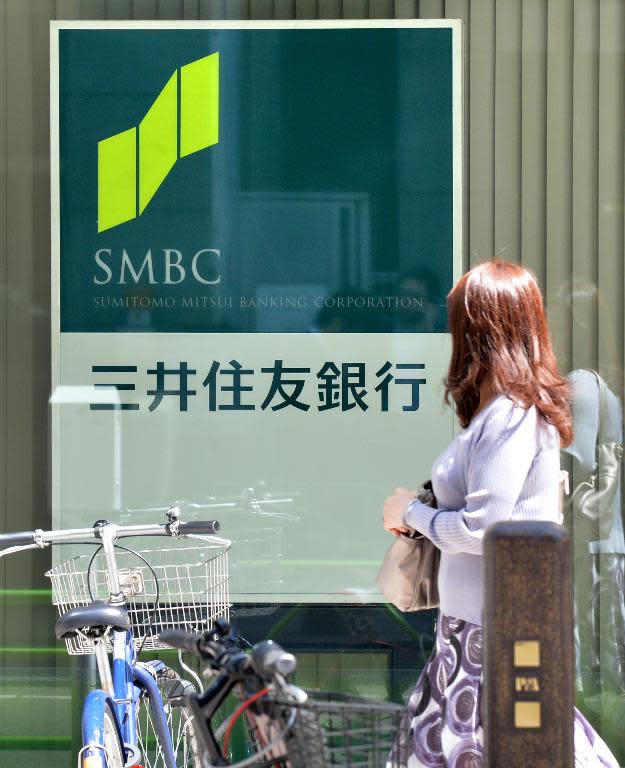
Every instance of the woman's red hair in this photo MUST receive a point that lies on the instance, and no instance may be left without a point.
(499, 333)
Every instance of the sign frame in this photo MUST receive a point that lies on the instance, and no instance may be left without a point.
(456, 27)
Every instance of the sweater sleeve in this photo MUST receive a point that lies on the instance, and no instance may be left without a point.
(497, 464)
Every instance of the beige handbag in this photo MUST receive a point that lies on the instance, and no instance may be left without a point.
(409, 573)
(593, 502)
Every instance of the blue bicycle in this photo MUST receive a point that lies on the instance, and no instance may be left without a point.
(117, 601)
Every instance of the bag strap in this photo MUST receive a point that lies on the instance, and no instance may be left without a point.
(603, 407)
(604, 418)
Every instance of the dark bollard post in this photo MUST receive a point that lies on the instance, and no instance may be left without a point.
(528, 647)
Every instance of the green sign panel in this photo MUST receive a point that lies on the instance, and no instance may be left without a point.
(199, 168)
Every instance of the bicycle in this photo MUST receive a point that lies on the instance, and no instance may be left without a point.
(287, 727)
(117, 601)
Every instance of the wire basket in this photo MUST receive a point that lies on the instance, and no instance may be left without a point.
(190, 590)
(335, 729)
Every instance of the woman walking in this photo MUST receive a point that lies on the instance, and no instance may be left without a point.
(504, 465)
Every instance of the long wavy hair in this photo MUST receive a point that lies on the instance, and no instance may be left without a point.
(499, 333)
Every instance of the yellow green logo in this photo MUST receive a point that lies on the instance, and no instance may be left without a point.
(133, 164)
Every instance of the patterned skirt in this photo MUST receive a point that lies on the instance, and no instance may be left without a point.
(444, 709)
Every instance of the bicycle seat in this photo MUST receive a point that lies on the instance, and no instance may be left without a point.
(97, 616)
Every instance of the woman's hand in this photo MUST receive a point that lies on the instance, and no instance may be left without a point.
(394, 509)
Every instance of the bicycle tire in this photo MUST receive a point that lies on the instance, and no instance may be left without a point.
(179, 722)
(112, 744)
(306, 747)
(101, 738)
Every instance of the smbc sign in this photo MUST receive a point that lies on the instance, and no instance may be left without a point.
(133, 164)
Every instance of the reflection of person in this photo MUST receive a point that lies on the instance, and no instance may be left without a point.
(599, 543)
(504, 465)
(418, 310)
(598, 540)
(349, 311)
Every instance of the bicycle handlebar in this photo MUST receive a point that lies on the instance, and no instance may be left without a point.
(198, 527)
(181, 640)
(16, 539)
(268, 658)
(111, 530)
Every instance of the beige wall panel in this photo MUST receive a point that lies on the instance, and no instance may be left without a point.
(236, 9)
(381, 9)
(406, 9)
(585, 177)
(284, 9)
(212, 9)
(119, 9)
(145, 9)
(610, 221)
(533, 137)
(330, 9)
(43, 11)
(66, 9)
(93, 9)
(559, 172)
(40, 311)
(461, 9)
(431, 9)
(611, 183)
(191, 9)
(4, 514)
(262, 9)
(508, 130)
(481, 139)
(306, 9)
(355, 9)
(21, 430)
(170, 9)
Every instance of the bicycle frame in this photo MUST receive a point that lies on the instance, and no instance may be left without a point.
(129, 680)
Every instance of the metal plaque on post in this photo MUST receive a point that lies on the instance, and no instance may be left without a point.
(528, 700)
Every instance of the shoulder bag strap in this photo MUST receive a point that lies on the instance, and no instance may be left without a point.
(603, 407)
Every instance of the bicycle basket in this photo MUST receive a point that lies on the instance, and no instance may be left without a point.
(192, 590)
(334, 729)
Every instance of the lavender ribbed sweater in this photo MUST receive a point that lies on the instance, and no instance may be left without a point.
(503, 466)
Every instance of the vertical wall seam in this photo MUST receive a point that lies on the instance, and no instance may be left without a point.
(597, 180)
(6, 249)
(5, 311)
(545, 143)
(494, 137)
(572, 167)
(466, 116)
(520, 146)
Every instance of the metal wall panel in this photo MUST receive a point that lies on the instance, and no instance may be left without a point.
(507, 127)
(558, 171)
(4, 294)
(533, 135)
(611, 185)
(480, 39)
(22, 507)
